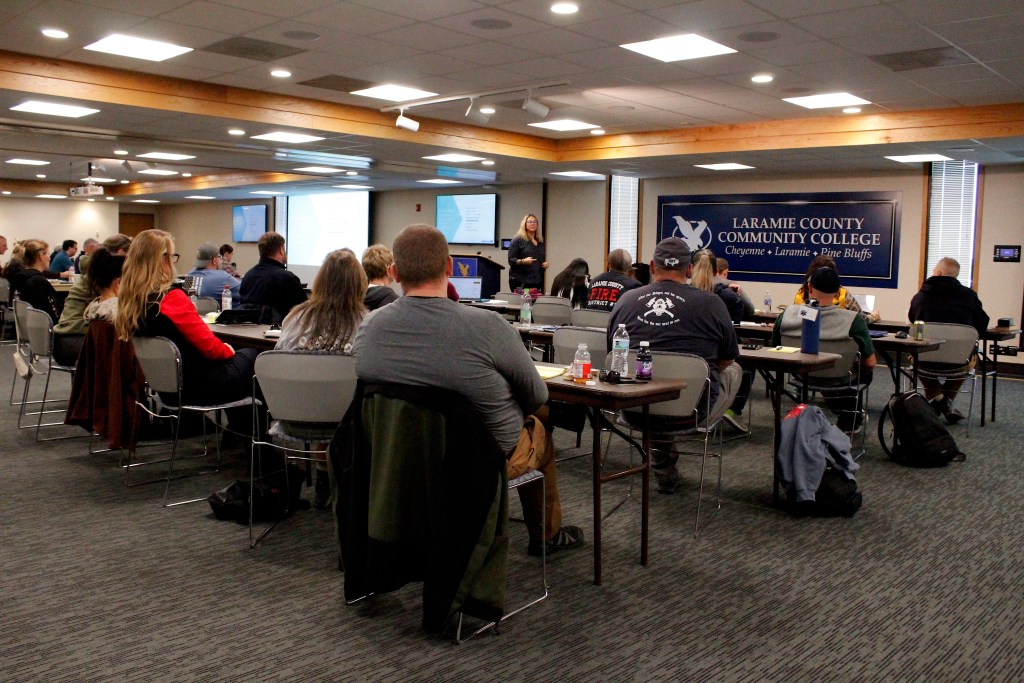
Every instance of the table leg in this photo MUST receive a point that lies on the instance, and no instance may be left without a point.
(995, 379)
(595, 423)
(645, 486)
(777, 434)
(983, 362)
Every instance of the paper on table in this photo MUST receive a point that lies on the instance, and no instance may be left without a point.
(547, 371)
(784, 349)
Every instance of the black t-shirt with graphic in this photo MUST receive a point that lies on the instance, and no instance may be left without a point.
(606, 288)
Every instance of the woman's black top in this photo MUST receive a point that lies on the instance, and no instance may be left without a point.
(34, 289)
(526, 275)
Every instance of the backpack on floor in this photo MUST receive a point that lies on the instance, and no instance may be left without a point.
(921, 438)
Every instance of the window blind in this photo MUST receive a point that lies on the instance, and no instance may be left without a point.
(952, 202)
(623, 214)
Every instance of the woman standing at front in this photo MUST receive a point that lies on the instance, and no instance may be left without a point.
(150, 306)
(527, 256)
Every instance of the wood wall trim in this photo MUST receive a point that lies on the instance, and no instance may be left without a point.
(205, 182)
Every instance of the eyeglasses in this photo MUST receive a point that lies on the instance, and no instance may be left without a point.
(173, 257)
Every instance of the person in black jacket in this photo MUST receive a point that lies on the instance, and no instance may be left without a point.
(527, 256)
(943, 299)
(268, 284)
(31, 284)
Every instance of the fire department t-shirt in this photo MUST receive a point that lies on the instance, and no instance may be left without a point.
(606, 288)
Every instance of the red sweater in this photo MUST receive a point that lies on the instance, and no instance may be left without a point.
(178, 308)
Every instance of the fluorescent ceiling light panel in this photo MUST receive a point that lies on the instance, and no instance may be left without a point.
(158, 171)
(393, 93)
(282, 136)
(577, 174)
(454, 158)
(166, 156)
(52, 109)
(28, 162)
(51, 196)
(199, 196)
(918, 158)
(678, 48)
(832, 99)
(318, 169)
(265, 192)
(564, 125)
(723, 167)
(92, 179)
(145, 201)
(139, 48)
(352, 187)
(440, 181)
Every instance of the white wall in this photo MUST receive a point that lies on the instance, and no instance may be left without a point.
(206, 221)
(575, 226)
(1001, 285)
(56, 220)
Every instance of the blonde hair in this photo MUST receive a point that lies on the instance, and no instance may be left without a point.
(522, 229)
(328, 320)
(142, 277)
(31, 250)
(376, 260)
(703, 276)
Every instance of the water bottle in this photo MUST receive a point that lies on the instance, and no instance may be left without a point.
(581, 364)
(225, 298)
(811, 331)
(644, 361)
(526, 308)
(72, 274)
(620, 351)
(767, 302)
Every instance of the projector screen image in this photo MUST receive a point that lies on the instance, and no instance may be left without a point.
(467, 218)
(248, 223)
(320, 223)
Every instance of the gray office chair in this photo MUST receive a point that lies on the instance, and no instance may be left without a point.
(951, 360)
(552, 310)
(585, 317)
(307, 394)
(21, 356)
(38, 330)
(567, 339)
(205, 304)
(161, 364)
(6, 312)
(510, 297)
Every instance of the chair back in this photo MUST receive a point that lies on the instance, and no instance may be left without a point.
(5, 291)
(679, 366)
(960, 343)
(585, 317)
(552, 310)
(567, 339)
(306, 386)
(845, 368)
(205, 304)
(161, 363)
(37, 329)
(20, 314)
(509, 297)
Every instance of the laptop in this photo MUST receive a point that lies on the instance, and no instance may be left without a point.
(468, 287)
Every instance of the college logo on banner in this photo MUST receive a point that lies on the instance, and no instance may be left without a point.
(464, 267)
(774, 237)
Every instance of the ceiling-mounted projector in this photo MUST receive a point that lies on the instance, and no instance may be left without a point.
(88, 190)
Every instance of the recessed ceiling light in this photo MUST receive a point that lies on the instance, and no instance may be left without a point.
(351, 172)
(55, 33)
(565, 8)
(723, 167)
(393, 93)
(265, 192)
(352, 187)
(577, 174)
(124, 182)
(762, 78)
(318, 169)
(440, 181)
(145, 201)
(851, 110)
(454, 158)
(166, 156)
(199, 196)
(93, 179)
(109, 199)
(186, 175)
(564, 125)
(281, 73)
(139, 48)
(51, 196)
(40, 175)
(918, 158)
(833, 99)
(5, 192)
(28, 162)
(51, 109)
(236, 131)
(597, 131)
(158, 171)
(487, 162)
(282, 136)
(677, 48)
(90, 200)
(487, 110)
(122, 152)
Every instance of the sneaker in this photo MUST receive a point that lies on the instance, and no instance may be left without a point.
(732, 419)
(668, 480)
(938, 404)
(959, 457)
(953, 416)
(567, 538)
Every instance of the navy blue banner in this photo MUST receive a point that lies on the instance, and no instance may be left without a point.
(774, 237)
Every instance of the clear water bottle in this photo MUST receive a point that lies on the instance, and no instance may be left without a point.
(581, 364)
(72, 274)
(767, 302)
(526, 308)
(225, 298)
(620, 351)
(644, 361)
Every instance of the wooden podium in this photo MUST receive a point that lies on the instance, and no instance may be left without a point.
(468, 268)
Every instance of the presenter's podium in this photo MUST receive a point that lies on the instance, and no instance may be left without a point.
(476, 276)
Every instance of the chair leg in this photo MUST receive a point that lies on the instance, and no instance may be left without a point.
(703, 465)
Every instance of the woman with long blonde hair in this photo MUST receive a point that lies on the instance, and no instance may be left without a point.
(527, 256)
(328, 320)
(150, 305)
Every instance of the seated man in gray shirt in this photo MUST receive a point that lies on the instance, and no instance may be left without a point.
(425, 339)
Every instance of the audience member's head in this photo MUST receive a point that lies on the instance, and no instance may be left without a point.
(529, 228)
(619, 261)
(271, 245)
(35, 254)
(3, 245)
(117, 244)
(721, 267)
(226, 252)
(69, 247)
(824, 284)
(421, 255)
(104, 270)
(206, 255)
(332, 313)
(671, 260)
(148, 270)
(90, 245)
(947, 267)
(376, 260)
(816, 263)
(703, 273)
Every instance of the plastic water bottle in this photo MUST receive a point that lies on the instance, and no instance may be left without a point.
(225, 298)
(767, 302)
(72, 274)
(810, 334)
(581, 364)
(526, 308)
(644, 361)
(620, 351)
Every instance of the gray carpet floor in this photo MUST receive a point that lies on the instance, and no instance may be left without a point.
(925, 583)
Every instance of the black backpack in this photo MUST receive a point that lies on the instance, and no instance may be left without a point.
(921, 440)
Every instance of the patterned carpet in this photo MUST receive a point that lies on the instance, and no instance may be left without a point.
(925, 583)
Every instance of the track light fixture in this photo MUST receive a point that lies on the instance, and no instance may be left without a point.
(405, 122)
(475, 115)
(534, 107)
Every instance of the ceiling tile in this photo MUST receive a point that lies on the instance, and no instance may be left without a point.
(546, 68)
(426, 37)
(629, 28)
(854, 21)
(354, 19)
(486, 52)
(211, 15)
(555, 41)
(422, 11)
(937, 11)
(799, 8)
(706, 15)
(589, 11)
(275, 8)
(977, 30)
(517, 23)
